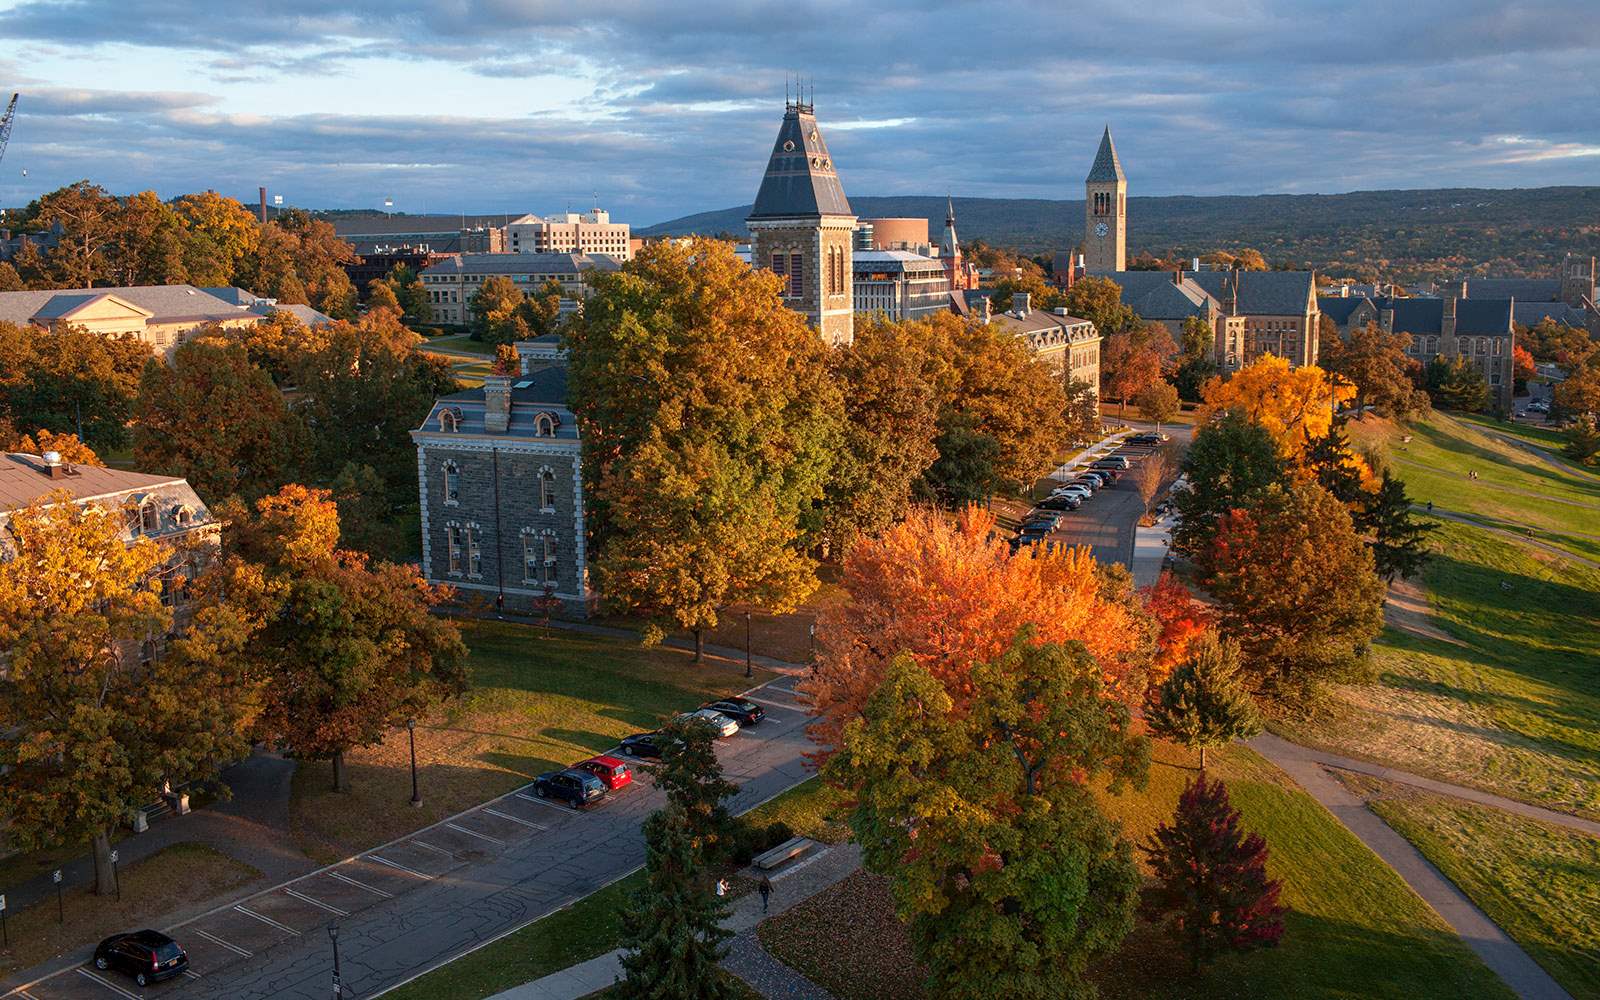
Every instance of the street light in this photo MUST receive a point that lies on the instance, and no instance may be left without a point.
(411, 734)
(748, 672)
(338, 983)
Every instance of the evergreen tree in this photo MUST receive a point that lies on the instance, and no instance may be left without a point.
(1195, 365)
(691, 776)
(964, 473)
(1583, 440)
(672, 932)
(1204, 703)
(1231, 461)
(1398, 540)
(1456, 385)
(1211, 877)
(1083, 411)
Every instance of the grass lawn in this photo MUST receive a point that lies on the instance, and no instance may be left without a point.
(173, 878)
(459, 342)
(538, 700)
(1354, 928)
(1540, 883)
(811, 809)
(1512, 705)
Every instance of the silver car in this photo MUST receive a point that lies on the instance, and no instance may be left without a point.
(719, 723)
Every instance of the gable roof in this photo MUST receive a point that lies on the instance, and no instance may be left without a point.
(1533, 313)
(1106, 167)
(1521, 289)
(1261, 293)
(161, 303)
(1474, 317)
(800, 180)
(1155, 295)
(1340, 308)
(24, 478)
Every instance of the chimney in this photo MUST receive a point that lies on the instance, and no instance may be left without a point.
(1023, 301)
(985, 310)
(1194, 263)
(53, 468)
(1177, 276)
(1447, 323)
(263, 191)
(496, 403)
(1386, 319)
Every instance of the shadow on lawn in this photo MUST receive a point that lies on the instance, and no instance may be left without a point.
(1448, 442)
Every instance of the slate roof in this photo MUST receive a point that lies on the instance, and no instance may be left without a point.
(1474, 317)
(1154, 295)
(1106, 165)
(23, 480)
(545, 391)
(1532, 313)
(523, 263)
(1521, 289)
(1340, 308)
(1261, 293)
(165, 303)
(800, 180)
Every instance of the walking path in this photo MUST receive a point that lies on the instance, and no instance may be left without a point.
(1105, 446)
(1520, 539)
(1548, 457)
(746, 958)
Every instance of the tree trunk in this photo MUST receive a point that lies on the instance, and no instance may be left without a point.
(699, 646)
(105, 880)
(341, 780)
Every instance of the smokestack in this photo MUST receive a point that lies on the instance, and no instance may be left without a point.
(263, 191)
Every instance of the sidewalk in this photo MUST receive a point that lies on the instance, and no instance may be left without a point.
(1105, 446)
(828, 866)
(1150, 548)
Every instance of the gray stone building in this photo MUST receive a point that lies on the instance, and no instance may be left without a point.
(500, 475)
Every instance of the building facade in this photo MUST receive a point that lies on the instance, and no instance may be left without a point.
(571, 232)
(1105, 207)
(1568, 298)
(803, 229)
(500, 474)
(1069, 344)
(452, 281)
(899, 284)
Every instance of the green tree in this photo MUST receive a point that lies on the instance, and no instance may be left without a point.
(1099, 300)
(1296, 587)
(87, 216)
(1456, 384)
(1399, 541)
(542, 310)
(497, 312)
(147, 248)
(219, 233)
(999, 860)
(709, 424)
(1158, 401)
(10, 280)
(411, 293)
(1549, 341)
(1082, 412)
(1204, 702)
(964, 471)
(1211, 877)
(691, 776)
(1374, 363)
(1195, 364)
(1583, 440)
(672, 935)
(65, 378)
(1229, 463)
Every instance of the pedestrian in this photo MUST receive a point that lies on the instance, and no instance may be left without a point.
(1430, 506)
(766, 892)
(722, 887)
(500, 606)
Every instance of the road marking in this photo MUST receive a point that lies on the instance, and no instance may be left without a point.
(267, 920)
(527, 823)
(113, 987)
(399, 868)
(436, 850)
(361, 885)
(191, 974)
(24, 994)
(793, 706)
(231, 947)
(545, 802)
(473, 833)
(317, 903)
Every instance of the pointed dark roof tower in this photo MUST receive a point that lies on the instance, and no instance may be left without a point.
(800, 180)
(1107, 168)
(950, 245)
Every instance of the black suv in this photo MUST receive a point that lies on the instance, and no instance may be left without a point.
(147, 956)
(741, 710)
(578, 788)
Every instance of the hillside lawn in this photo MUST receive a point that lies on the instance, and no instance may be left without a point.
(538, 699)
(1354, 928)
(1539, 882)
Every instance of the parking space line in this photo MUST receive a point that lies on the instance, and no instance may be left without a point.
(267, 920)
(436, 850)
(515, 819)
(191, 974)
(24, 994)
(399, 868)
(108, 984)
(361, 885)
(473, 833)
(544, 802)
(317, 903)
(216, 940)
(792, 706)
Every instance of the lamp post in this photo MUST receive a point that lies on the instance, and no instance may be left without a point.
(338, 983)
(748, 672)
(411, 734)
(811, 630)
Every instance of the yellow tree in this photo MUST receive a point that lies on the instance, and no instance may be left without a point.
(1294, 405)
(94, 714)
(220, 234)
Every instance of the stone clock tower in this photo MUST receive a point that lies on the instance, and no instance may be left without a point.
(802, 227)
(1105, 207)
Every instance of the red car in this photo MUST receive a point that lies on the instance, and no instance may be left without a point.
(612, 772)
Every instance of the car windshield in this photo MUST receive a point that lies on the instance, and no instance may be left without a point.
(169, 951)
(619, 770)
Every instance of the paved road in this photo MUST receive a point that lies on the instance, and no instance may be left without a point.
(425, 899)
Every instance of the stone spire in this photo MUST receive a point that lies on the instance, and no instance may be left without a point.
(1107, 168)
(950, 247)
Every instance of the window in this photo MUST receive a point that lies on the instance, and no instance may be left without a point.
(549, 547)
(474, 552)
(452, 483)
(449, 423)
(532, 558)
(797, 276)
(452, 535)
(1497, 345)
(1483, 345)
(544, 425)
(149, 519)
(185, 515)
(547, 489)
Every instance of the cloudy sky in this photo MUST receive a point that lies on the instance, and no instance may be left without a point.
(666, 109)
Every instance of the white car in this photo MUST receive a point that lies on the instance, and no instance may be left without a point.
(719, 723)
(1073, 491)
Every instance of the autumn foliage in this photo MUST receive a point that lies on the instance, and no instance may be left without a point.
(1181, 620)
(952, 595)
(1292, 404)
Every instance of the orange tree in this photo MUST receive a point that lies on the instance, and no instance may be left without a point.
(1292, 404)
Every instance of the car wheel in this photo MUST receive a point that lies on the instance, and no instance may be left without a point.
(539, 791)
(101, 963)
(577, 804)
(139, 980)
(628, 750)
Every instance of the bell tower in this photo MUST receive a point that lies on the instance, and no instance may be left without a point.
(803, 229)
(1105, 207)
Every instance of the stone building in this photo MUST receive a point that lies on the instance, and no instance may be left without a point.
(803, 229)
(452, 281)
(1568, 298)
(500, 473)
(1069, 344)
(1105, 208)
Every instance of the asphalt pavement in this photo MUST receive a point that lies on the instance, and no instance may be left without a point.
(410, 906)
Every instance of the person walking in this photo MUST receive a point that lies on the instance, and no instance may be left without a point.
(722, 887)
(766, 892)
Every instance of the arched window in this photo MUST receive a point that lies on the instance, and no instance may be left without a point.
(185, 515)
(544, 425)
(547, 489)
(449, 423)
(149, 517)
(452, 483)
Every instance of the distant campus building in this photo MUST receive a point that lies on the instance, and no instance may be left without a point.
(572, 232)
(452, 281)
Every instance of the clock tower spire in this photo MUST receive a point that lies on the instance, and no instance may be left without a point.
(1105, 208)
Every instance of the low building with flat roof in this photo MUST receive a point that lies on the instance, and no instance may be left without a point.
(899, 284)
(452, 282)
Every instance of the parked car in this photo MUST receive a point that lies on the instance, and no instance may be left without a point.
(1061, 502)
(1093, 480)
(613, 773)
(1074, 490)
(1047, 518)
(148, 956)
(741, 710)
(642, 745)
(1117, 463)
(719, 723)
(576, 788)
(1147, 439)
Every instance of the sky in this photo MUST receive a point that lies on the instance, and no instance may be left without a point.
(661, 110)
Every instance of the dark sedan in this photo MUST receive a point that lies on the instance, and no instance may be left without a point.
(147, 956)
(642, 745)
(741, 710)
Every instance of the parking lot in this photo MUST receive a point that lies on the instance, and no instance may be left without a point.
(419, 901)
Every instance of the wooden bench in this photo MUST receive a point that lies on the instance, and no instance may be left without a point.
(791, 848)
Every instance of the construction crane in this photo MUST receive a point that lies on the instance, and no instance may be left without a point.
(5, 124)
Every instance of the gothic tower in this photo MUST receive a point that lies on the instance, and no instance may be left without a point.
(1105, 207)
(950, 250)
(802, 228)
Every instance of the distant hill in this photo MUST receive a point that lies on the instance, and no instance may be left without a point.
(1403, 235)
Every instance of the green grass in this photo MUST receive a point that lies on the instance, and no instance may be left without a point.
(460, 342)
(587, 928)
(811, 809)
(1540, 883)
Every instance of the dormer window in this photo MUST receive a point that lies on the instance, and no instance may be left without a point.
(448, 422)
(184, 515)
(544, 425)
